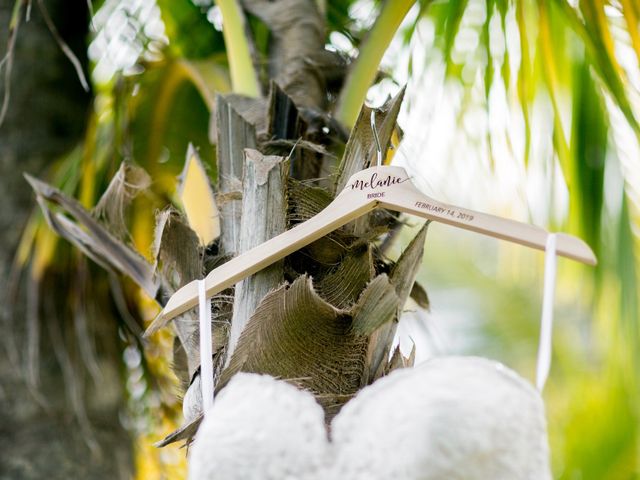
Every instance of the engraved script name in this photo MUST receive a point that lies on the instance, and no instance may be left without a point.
(375, 182)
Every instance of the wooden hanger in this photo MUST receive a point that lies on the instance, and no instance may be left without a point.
(377, 187)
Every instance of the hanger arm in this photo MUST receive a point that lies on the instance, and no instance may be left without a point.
(335, 215)
(410, 200)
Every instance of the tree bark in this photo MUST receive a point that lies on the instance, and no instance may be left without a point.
(39, 428)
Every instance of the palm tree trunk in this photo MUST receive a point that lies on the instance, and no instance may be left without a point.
(39, 426)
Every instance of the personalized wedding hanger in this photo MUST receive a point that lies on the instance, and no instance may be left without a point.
(387, 187)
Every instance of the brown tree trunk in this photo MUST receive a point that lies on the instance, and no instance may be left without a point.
(39, 428)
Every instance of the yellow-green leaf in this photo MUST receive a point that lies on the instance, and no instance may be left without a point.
(197, 199)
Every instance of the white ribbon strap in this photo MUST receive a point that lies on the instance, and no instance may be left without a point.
(206, 356)
(546, 322)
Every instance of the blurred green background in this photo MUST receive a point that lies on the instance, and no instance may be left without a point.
(525, 109)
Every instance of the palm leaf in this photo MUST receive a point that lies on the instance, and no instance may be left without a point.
(197, 199)
(96, 242)
(363, 72)
(595, 35)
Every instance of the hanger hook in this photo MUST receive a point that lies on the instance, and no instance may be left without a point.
(376, 138)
